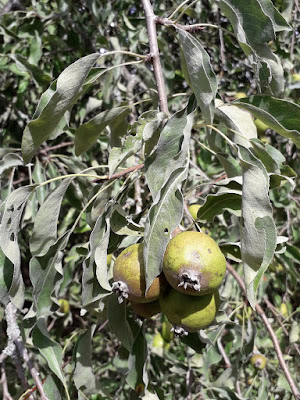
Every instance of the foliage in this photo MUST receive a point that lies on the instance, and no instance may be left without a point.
(90, 164)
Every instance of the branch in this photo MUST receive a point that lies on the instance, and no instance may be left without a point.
(273, 336)
(151, 28)
(120, 174)
(14, 339)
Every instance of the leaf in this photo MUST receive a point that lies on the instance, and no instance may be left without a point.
(171, 149)
(88, 133)
(230, 165)
(201, 75)
(280, 115)
(137, 374)
(68, 86)
(118, 322)
(258, 232)
(46, 275)
(6, 276)
(10, 160)
(141, 133)
(255, 23)
(50, 350)
(53, 388)
(98, 243)
(238, 120)
(45, 225)
(14, 206)
(121, 224)
(216, 204)
(164, 216)
(39, 76)
(84, 377)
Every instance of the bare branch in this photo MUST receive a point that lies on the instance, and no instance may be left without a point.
(120, 174)
(154, 52)
(273, 336)
(14, 338)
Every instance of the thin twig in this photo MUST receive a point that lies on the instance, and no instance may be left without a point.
(3, 381)
(273, 310)
(154, 52)
(273, 336)
(45, 150)
(120, 174)
(223, 353)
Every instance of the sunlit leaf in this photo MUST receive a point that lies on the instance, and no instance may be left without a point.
(68, 87)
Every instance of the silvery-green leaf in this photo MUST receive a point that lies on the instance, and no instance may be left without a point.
(98, 243)
(171, 149)
(45, 225)
(258, 149)
(122, 225)
(164, 216)
(84, 377)
(255, 23)
(68, 86)
(10, 160)
(118, 322)
(88, 133)
(258, 232)
(50, 350)
(9, 228)
(137, 361)
(201, 74)
(269, 72)
(233, 118)
(6, 276)
(280, 115)
(46, 274)
(53, 388)
(38, 176)
(230, 164)
(232, 251)
(216, 204)
(40, 77)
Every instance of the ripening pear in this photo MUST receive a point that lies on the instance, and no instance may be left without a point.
(190, 313)
(194, 264)
(129, 277)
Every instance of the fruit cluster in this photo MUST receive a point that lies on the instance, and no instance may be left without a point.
(187, 289)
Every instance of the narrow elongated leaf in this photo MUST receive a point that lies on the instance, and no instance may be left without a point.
(118, 322)
(53, 388)
(45, 225)
(46, 274)
(255, 23)
(171, 149)
(241, 122)
(280, 115)
(164, 216)
(258, 233)
(14, 206)
(6, 276)
(216, 204)
(50, 350)
(38, 75)
(10, 160)
(68, 86)
(84, 377)
(88, 133)
(201, 74)
(137, 362)
(99, 239)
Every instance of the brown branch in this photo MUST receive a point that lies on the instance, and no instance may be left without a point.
(45, 150)
(223, 353)
(272, 334)
(120, 174)
(273, 310)
(154, 52)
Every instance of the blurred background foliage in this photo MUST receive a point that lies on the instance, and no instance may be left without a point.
(38, 40)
